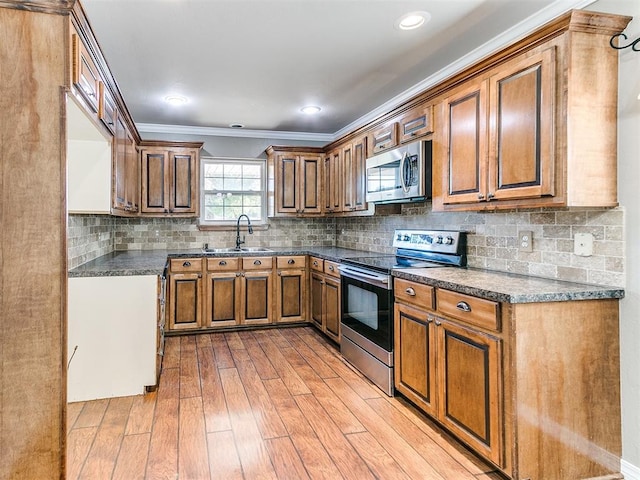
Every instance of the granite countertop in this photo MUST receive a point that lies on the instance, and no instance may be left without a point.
(497, 286)
(153, 262)
(506, 287)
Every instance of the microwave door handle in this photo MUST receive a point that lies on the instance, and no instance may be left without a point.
(403, 172)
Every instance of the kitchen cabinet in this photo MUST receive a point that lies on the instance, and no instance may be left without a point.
(85, 76)
(222, 292)
(383, 137)
(169, 183)
(353, 181)
(185, 294)
(333, 182)
(256, 291)
(448, 368)
(291, 289)
(519, 132)
(415, 123)
(516, 382)
(499, 133)
(295, 179)
(325, 297)
(125, 172)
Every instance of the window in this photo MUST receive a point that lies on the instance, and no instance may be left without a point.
(231, 187)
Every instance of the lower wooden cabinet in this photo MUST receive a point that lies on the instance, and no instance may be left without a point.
(325, 297)
(185, 294)
(291, 289)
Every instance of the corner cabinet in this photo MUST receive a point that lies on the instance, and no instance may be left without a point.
(294, 179)
(523, 132)
(170, 179)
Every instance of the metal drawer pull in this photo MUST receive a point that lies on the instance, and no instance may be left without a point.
(410, 291)
(464, 306)
(257, 262)
(186, 264)
(331, 268)
(222, 263)
(291, 261)
(315, 264)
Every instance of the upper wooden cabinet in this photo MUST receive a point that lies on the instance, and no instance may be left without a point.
(333, 182)
(499, 133)
(522, 132)
(383, 138)
(85, 75)
(295, 179)
(353, 179)
(125, 172)
(170, 178)
(416, 123)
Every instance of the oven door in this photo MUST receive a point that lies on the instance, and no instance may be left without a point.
(368, 309)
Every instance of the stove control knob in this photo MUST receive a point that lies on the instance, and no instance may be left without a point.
(407, 238)
(429, 239)
(399, 237)
(448, 240)
(439, 240)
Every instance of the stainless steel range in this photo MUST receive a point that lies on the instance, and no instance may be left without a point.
(367, 296)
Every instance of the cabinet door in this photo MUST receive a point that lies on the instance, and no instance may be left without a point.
(317, 299)
(465, 137)
(522, 117)
(311, 181)
(155, 174)
(333, 182)
(332, 308)
(185, 301)
(414, 355)
(256, 297)
(222, 308)
(119, 176)
(384, 137)
(85, 73)
(291, 294)
(416, 123)
(359, 173)
(348, 179)
(287, 177)
(132, 175)
(183, 182)
(469, 374)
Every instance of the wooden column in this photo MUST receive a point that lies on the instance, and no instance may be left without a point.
(33, 275)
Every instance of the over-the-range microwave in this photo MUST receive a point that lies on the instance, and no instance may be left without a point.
(400, 175)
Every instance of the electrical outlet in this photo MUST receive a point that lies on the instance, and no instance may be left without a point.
(525, 241)
(583, 244)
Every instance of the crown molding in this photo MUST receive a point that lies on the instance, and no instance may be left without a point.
(60, 7)
(511, 35)
(234, 132)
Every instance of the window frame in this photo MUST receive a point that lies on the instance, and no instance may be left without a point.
(226, 224)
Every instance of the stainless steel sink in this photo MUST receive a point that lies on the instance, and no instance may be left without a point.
(238, 250)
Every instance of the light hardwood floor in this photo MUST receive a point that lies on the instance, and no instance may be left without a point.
(264, 404)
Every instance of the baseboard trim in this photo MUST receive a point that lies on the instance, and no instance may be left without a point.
(630, 471)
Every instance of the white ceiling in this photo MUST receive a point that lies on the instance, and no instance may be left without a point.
(257, 62)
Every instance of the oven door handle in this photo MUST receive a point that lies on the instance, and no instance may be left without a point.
(360, 275)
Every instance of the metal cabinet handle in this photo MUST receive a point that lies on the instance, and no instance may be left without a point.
(222, 263)
(291, 261)
(257, 262)
(410, 291)
(186, 264)
(279, 274)
(238, 274)
(480, 196)
(429, 319)
(438, 323)
(331, 268)
(490, 196)
(315, 263)
(464, 306)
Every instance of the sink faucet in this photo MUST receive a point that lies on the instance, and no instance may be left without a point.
(250, 229)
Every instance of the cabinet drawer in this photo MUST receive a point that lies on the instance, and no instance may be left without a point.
(472, 310)
(383, 138)
(316, 264)
(331, 268)
(223, 264)
(414, 293)
(257, 263)
(186, 265)
(416, 123)
(294, 261)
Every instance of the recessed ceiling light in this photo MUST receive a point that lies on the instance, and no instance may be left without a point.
(175, 100)
(236, 125)
(412, 20)
(310, 109)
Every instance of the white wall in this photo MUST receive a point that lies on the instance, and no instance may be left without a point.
(629, 197)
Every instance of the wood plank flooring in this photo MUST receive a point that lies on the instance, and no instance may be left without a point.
(264, 404)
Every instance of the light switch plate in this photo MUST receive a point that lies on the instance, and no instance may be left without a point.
(583, 244)
(525, 241)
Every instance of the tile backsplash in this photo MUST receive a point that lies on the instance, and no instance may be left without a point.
(492, 237)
